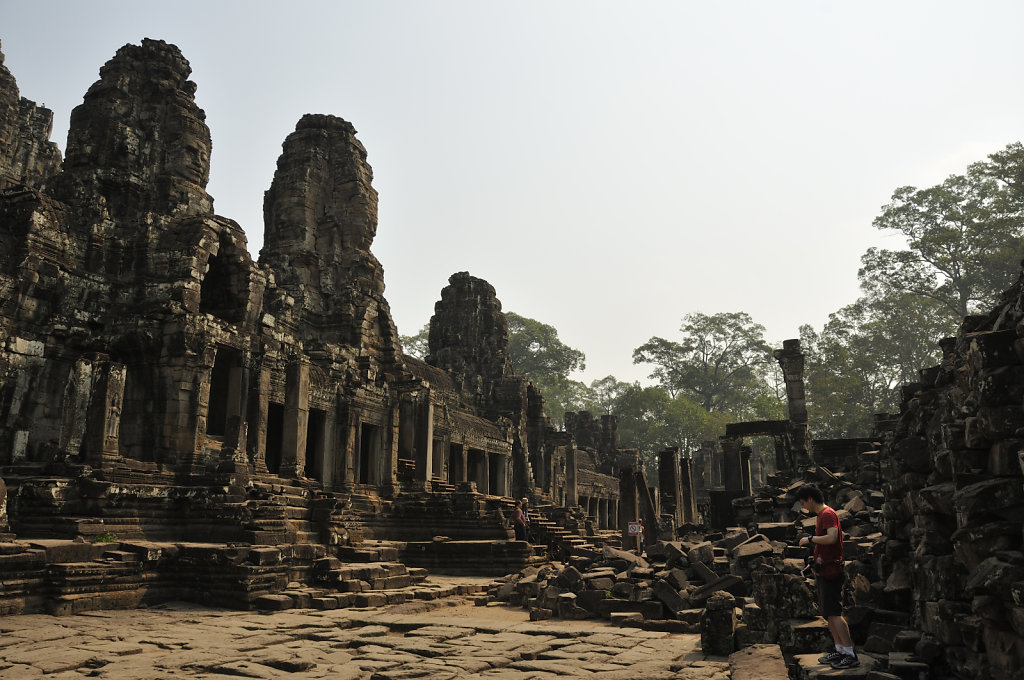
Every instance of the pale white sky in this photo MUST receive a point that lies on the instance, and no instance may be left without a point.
(607, 166)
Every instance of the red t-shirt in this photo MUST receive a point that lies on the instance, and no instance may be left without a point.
(827, 519)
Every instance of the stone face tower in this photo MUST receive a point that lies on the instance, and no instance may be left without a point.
(320, 216)
(138, 143)
(469, 332)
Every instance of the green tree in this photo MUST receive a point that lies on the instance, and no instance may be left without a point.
(720, 361)
(964, 237)
(535, 351)
(649, 419)
(605, 394)
(863, 354)
(417, 345)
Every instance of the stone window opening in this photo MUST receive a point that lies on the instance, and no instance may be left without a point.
(315, 431)
(275, 437)
(456, 464)
(222, 292)
(220, 386)
(369, 453)
(479, 470)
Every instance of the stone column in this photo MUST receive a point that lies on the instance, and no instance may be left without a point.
(688, 484)
(387, 465)
(504, 463)
(670, 484)
(258, 416)
(629, 507)
(424, 441)
(3, 508)
(349, 452)
(745, 480)
(648, 507)
(296, 419)
(571, 486)
(732, 471)
(463, 456)
(103, 417)
(791, 360)
(328, 463)
(233, 449)
(483, 477)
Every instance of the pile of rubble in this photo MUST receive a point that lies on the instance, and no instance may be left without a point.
(737, 587)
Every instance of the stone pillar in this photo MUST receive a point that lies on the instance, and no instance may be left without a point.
(103, 417)
(670, 484)
(483, 476)
(3, 506)
(387, 465)
(791, 360)
(688, 484)
(258, 416)
(629, 506)
(571, 486)
(332, 445)
(746, 483)
(425, 441)
(296, 419)
(718, 625)
(463, 456)
(233, 449)
(732, 469)
(504, 464)
(648, 507)
(350, 452)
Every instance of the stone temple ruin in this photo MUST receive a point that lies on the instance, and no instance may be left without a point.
(179, 421)
(159, 384)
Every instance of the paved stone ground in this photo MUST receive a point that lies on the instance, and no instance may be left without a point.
(438, 639)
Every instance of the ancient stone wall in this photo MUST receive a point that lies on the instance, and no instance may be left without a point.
(27, 156)
(954, 506)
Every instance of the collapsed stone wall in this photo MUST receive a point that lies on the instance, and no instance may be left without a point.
(954, 507)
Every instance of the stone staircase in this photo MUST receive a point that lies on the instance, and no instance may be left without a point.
(363, 576)
(281, 513)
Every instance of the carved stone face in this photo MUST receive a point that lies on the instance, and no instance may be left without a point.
(189, 159)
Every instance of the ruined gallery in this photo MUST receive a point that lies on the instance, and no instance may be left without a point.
(181, 422)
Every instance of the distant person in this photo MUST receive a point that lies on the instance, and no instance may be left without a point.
(519, 521)
(827, 563)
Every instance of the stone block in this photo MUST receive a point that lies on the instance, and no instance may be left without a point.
(758, 662)
(273, 602)
(718, 625)
(372, 599)
(670, 597)
(264, 556)
(702, 553)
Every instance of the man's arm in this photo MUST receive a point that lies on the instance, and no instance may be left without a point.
(830, 537)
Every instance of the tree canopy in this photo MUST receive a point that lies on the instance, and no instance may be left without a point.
(719, 361)
(535, 351)
(417, 345)
(964, 237)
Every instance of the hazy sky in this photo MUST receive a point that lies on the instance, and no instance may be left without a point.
(608, 166)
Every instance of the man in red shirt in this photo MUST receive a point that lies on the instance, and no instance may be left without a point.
(829, 574)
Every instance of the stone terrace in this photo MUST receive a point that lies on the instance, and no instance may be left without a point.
(415, 640)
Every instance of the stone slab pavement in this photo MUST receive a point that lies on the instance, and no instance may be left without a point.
(433, 639)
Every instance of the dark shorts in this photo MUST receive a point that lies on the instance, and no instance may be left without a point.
(830, 596)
